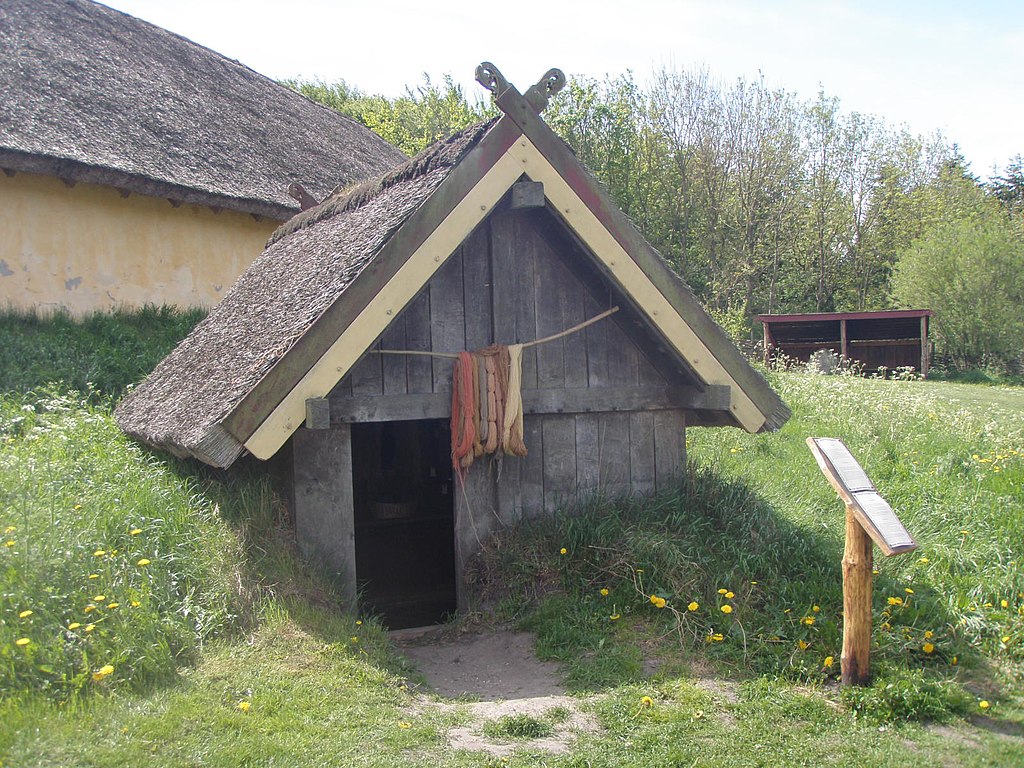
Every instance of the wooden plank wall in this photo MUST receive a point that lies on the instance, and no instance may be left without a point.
(508, 284)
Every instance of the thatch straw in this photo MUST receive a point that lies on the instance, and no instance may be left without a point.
(91, 94)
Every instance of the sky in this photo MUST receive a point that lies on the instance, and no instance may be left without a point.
(955, 67)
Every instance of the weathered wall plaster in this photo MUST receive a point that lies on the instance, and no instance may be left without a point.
(86, 247)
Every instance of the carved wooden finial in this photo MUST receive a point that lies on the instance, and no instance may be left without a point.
(539, 94)
(306, 200)
(491, 78)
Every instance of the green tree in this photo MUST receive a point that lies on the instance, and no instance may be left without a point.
(970, 271)
(412, 121)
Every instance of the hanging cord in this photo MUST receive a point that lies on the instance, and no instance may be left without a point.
(526, 345)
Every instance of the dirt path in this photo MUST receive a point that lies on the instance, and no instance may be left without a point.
(502, 673)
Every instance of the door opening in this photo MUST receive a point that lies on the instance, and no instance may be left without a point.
(404, 521)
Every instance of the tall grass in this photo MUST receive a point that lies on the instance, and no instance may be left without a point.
(113, 569)
(103, 351)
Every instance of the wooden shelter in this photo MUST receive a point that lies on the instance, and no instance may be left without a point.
(495, 235)
(890, 339)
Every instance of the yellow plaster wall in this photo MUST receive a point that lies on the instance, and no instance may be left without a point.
(86, 247)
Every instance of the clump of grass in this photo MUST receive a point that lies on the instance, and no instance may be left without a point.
(519, 726)
(102, 351)
(113, 569)
(907, 695)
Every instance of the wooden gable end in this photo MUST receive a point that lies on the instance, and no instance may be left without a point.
(519, 277)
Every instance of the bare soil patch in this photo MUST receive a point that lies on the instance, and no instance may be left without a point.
(502, 672)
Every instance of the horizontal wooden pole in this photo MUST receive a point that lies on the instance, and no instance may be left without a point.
(360, 408)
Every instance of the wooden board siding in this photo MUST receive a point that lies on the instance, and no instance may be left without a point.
(598, 406)
(507, 283)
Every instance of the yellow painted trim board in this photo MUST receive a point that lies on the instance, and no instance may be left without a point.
(633, 280)
(391, 299)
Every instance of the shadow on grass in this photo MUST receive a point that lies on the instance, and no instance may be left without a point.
(274, 576)
(710, 542)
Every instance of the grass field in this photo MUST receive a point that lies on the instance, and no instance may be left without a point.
(213, 646)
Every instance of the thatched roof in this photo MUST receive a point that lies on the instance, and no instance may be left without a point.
(333, 278)
(307, 266)
(92, 94)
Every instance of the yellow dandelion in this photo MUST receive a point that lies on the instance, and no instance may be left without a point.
(244, 706)
(693, 606)
(803, 645)
(353, 639)
(9, 543)
(928, 634)
(94, 575)
(99, 598)
(615, 617)
(403, 724)
(112, 606)
(90, 608)
(716, 637)
(74, 625)
(729, 595)
(908, 590)
(923, 560)
(1004, 603)
(563, 551)
(808, 620)
(25, 614)
(984, 704)
(955, 661)
(726, 608)
(829, 661)
(895, 601)
(136, 603)
(1006, 639)
(928, 648)
(604, 592)
(10, 529)
(134, 531)
(816, 608)
(754, 583)
(90, 627)
(105, 671)
(722, 591)
(99, 553)
(646, 701)
(143, 562)
(22, 641)
(359, 622)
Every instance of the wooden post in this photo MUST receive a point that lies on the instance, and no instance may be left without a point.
(869, 520)
(843, 344)
(857, 569)
(924, 347)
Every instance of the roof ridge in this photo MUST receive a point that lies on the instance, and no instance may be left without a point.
(348, 198)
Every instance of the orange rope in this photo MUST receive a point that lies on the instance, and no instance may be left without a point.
(463, 406)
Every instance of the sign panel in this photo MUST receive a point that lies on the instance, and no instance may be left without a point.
(858, 492)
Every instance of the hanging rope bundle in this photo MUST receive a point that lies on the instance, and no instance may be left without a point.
(487, 408)
(487, 398)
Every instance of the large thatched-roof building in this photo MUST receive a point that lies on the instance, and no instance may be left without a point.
(495, 236)
(140, 167)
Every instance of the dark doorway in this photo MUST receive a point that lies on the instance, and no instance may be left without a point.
(404, 521)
